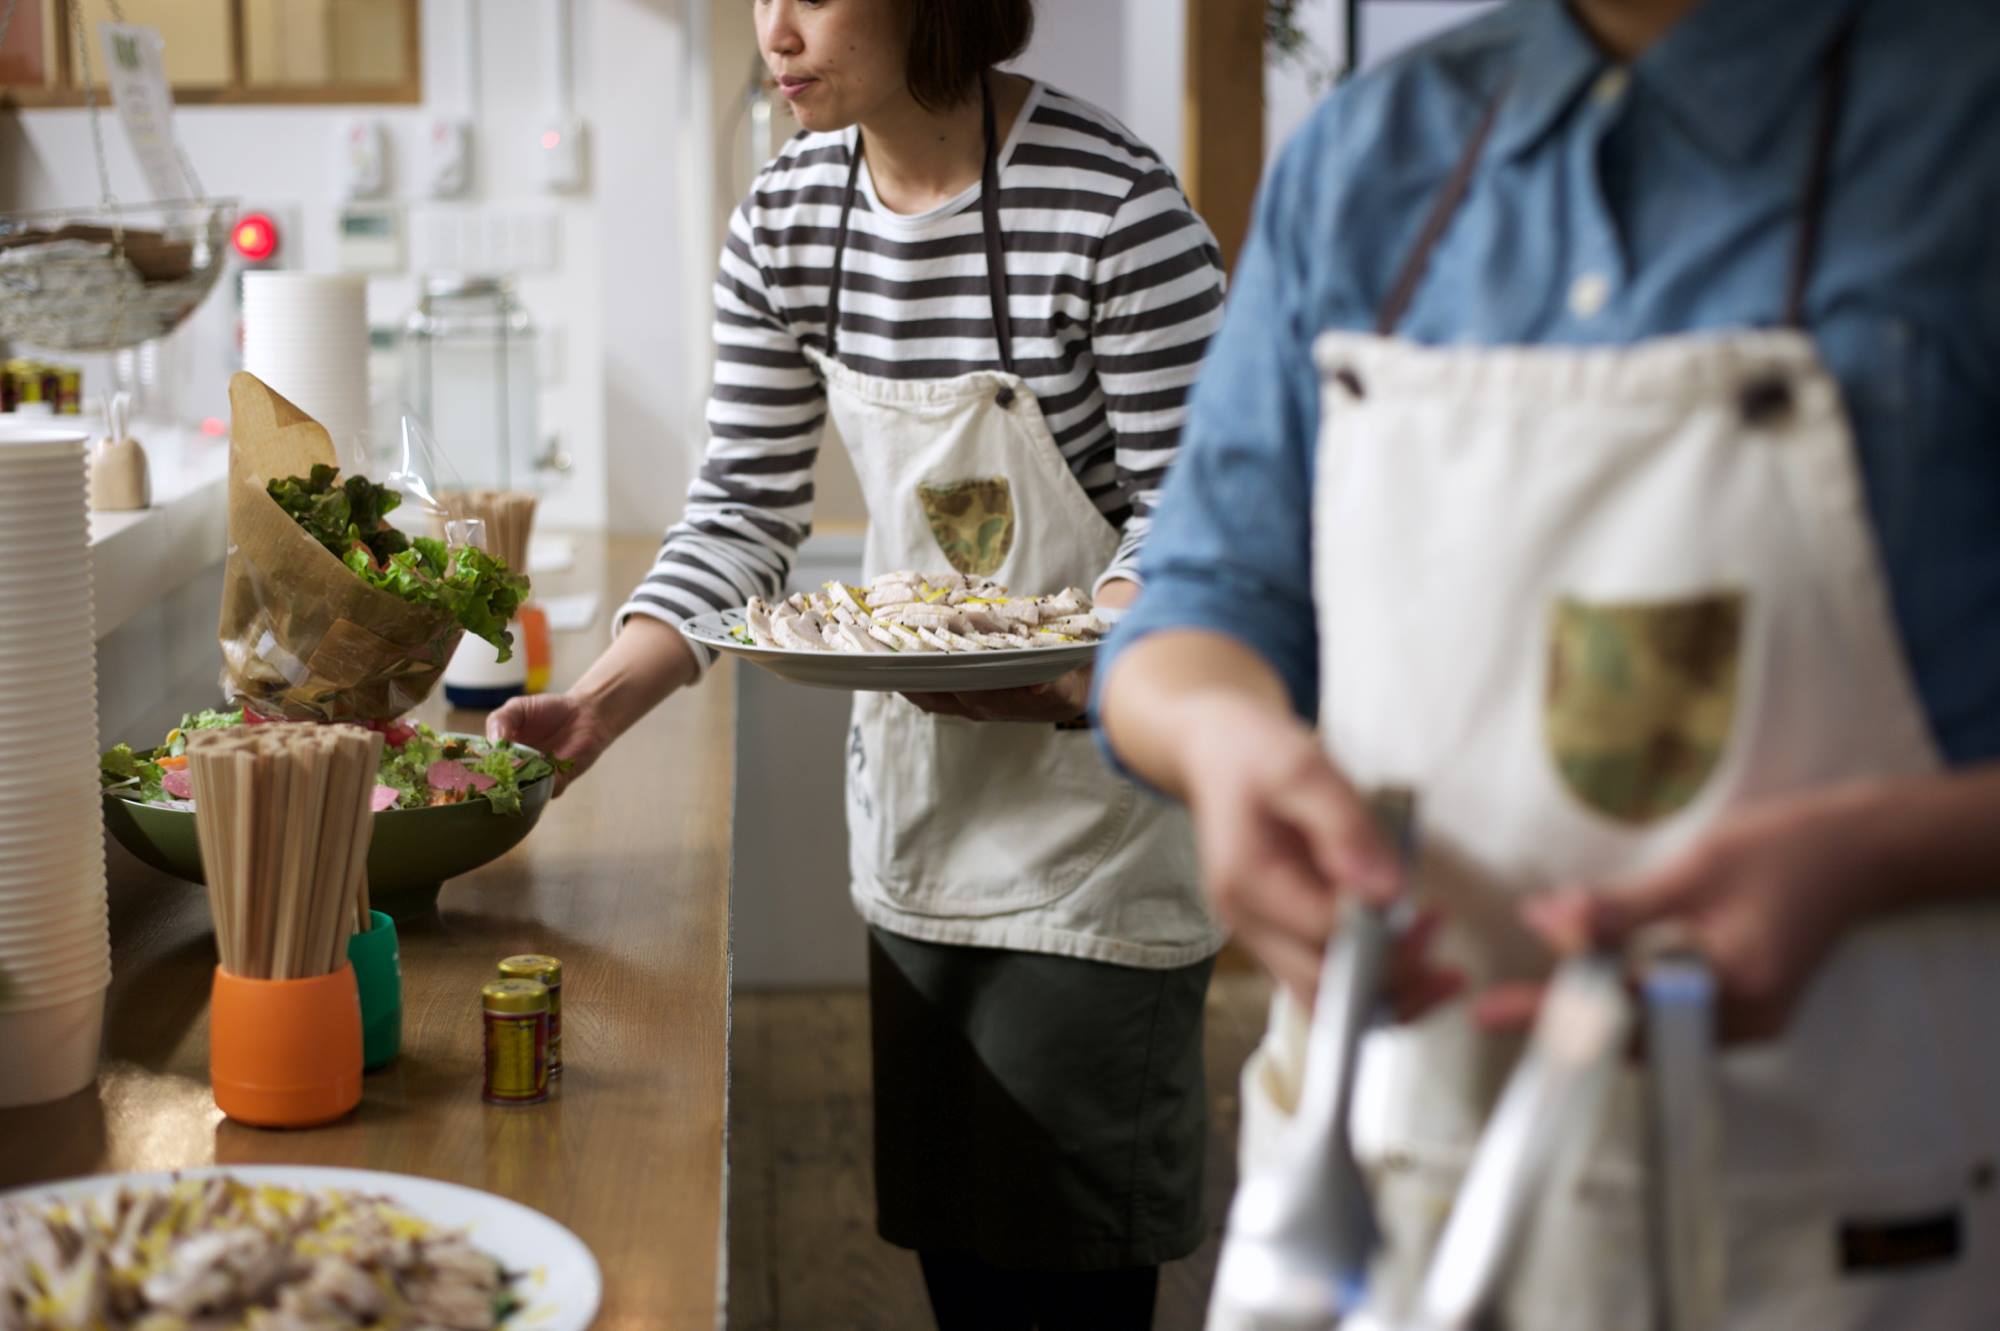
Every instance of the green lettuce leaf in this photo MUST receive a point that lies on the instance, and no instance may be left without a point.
(137, 771)
(474, 588)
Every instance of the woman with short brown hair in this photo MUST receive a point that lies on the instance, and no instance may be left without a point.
(1000, 297)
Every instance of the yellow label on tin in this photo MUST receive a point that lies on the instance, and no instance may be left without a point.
(517, 1057)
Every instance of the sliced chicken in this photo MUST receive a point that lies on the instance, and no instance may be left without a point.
(1017, 614)
(931, 617)
(797, 633)
(1068, 601)
(843, 597)
(1076, 626)
(905, 611)
(886, 591)
(853, 638)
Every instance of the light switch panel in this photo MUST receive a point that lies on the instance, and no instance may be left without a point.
(448, 157)
(361, 160)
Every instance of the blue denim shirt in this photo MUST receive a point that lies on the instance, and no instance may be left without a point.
(1614, 204)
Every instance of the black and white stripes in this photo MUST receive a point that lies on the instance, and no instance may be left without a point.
(1114, 286)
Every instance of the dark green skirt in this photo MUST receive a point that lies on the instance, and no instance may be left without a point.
(1038, 1112)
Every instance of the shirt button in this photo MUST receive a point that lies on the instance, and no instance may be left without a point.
(1611, 85)
(1588, 294)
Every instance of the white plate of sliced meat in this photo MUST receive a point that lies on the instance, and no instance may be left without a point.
(287, 1246)
(911, 633)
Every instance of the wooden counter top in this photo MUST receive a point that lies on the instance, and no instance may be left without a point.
(626, 879)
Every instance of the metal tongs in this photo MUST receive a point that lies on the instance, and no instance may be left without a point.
(1301, 1238)
(1545, 1119)
(1548, 1115)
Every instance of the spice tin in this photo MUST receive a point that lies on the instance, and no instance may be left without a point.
(517, 1042)
(535, 966)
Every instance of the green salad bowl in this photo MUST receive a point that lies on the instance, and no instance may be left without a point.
(410, 856)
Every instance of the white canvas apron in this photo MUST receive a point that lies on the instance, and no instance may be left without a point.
(1010, 835)
(1588, 602)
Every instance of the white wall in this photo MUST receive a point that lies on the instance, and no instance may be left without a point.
(1153, 77)
(284, 155)
(1076, 48)
(658, 247)
(1292, 88)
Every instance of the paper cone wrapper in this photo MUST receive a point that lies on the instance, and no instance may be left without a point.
(303, 638)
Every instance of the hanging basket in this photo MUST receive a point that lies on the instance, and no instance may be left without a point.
(102, 279)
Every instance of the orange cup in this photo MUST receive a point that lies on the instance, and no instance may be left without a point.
(533, 622)
(285, 1053)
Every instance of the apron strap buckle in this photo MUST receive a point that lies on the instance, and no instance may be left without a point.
(1765, 401)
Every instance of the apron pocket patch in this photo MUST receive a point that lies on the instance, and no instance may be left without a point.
(1640, 699)
(972, 522)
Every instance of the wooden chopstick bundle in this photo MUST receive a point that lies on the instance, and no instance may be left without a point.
(283, 817)
(508, 516)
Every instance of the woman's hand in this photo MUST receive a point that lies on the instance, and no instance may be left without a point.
(645, 663)
(1280, 832)
(559, 725)
(1763, 898)
(1281, 835)
(1057, 701)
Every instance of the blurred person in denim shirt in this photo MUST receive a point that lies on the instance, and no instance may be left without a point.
(1603, 446)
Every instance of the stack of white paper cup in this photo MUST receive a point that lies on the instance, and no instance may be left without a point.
(55, 946)
(306, 335)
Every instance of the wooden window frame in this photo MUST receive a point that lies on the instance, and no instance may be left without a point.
(1223, 106)
(65, 91)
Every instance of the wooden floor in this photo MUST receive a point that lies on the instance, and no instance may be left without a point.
(803, 1255)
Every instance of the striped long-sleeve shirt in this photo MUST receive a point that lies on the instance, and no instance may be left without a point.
(1114, 286)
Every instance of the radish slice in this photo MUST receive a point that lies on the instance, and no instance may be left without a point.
(450, 774)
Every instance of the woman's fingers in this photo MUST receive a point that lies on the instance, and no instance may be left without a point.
(1292, 963)
(939, 704)
(505, 723)
(1417, 983)
(1509, 1007)
(1059, 700)
(1340, 831)
(1279, 886)
(530, 720)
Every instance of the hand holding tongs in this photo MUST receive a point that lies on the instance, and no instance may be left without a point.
(1301, 1238)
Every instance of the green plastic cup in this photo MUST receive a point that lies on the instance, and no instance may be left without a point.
(378, 970)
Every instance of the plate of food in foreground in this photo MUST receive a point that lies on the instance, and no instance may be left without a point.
(445, 804)
(912, 633)
(285, 1248)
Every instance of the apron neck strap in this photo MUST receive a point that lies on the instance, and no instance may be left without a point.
(1390, 316)
(989, 221)
(989, 217)
(833, 283)
(1812, 206)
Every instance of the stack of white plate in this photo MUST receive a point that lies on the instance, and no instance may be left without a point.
(306, 335)
(55, 948)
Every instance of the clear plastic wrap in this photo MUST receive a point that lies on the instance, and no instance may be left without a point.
(425, 479)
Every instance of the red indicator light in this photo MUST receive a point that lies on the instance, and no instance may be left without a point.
(551, 139)
(214, 427)
(255, 237)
